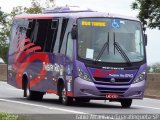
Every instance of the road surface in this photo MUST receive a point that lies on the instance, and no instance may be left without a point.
(12, 101)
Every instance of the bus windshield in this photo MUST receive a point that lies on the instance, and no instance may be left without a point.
(110, 40)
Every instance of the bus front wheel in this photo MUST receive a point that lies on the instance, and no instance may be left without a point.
(126, 103)
(64, 99)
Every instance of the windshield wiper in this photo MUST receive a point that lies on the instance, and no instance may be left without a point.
(121, 51)
(106, 44)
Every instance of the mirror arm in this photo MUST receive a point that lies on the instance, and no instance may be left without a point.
(145, 39)
(74, 32)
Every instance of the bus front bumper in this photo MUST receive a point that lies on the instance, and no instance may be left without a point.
(86, 89)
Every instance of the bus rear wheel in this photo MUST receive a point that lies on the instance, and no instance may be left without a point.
(126, 103)
(64, 99)
(35, 95)
(31, 95)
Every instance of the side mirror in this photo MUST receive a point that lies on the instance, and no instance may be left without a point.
(74, 32)
(145, 39)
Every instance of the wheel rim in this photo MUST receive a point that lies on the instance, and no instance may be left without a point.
(28, 92)
(64, 97)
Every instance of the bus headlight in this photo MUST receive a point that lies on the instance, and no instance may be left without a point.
(140, 78)
(83, 75)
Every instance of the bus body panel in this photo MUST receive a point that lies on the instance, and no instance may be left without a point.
(43, 71)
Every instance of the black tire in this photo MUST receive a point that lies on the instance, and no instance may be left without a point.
(30, 95)
(82, 100)
(25, 86)
(35, 95)
(25, 94)
(63, 98)
(126, 103)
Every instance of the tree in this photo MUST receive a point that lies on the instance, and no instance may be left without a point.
(36, 7)
(148, 69)
(4, 33)
(156, 68)
(149, 12)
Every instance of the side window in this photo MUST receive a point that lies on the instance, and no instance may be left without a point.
(20, 30)
(32, 33)
(69, 50)
(51, 35)
(18, 33)
(13, 30)
(43, 33)
(30, 28)
(40, 38)
(56, 46)
(13, 37)
(63, 39)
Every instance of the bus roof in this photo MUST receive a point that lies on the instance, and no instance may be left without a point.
(73, 15)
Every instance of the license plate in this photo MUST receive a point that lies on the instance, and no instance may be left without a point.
(111, 96)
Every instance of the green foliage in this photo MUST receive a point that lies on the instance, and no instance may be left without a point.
(16, 11)
(3, 27)
(149, 12)
(4, 52)
(148, 69)
(155, 68)
(6, 116)
(4, 33)
(36, 7)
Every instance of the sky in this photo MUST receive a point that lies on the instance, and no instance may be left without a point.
(114, 6)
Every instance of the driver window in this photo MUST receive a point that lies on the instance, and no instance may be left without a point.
(69, 51)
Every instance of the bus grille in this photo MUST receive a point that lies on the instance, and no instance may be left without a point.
(108, 80)
(119, 86)
(112, 90)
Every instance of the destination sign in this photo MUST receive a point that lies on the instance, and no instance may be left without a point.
(93, 23)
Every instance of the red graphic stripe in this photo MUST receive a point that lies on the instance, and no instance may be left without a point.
(21, 51)
(27, 52)
(27, 46)
(100, 73)
(36, 56)
(22, 42)
(51, 91)
(18, 47)
(70, 94)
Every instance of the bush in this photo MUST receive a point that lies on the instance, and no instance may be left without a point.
(6, 116)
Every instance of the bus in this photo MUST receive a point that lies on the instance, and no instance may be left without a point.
(79, 55)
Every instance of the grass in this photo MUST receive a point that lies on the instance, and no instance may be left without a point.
(6, 116)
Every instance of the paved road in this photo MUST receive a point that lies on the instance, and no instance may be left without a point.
(11, 101)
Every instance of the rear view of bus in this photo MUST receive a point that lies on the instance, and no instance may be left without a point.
(79, 55)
